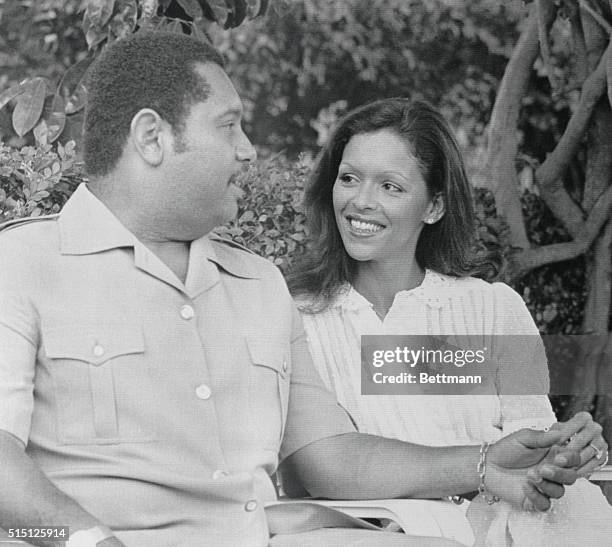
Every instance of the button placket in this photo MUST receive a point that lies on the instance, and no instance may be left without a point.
(203, 392)
(251, 506)
(98, 350)
(187, 312)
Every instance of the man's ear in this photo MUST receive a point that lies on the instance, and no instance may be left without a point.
(147, 134)
(435, 210)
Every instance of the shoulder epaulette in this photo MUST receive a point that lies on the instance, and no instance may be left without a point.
(230, 242)
(27, 220)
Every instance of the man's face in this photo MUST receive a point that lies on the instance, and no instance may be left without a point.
(207, 154)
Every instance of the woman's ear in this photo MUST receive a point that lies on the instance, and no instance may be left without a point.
(146, 133)
(435, 210)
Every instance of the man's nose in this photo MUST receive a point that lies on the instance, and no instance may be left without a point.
(245, 151)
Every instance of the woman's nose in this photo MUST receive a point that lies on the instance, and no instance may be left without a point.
(364, 197)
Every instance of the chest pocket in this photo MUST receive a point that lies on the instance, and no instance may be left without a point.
(101, 382)
(270, 378)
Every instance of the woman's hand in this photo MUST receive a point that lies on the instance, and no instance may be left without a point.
(585, 436)
(527, 453)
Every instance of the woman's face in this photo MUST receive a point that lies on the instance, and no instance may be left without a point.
(380, 198)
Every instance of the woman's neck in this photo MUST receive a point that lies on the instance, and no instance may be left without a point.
(380, 283)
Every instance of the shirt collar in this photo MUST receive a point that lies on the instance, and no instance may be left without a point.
(87, 226)
(435, 290)
(231, 257)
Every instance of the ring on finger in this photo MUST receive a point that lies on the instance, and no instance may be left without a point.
(598, 451)
(603, 464)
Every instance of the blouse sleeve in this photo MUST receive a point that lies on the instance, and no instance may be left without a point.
(523, 381)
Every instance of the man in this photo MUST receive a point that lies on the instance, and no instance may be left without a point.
(150, 374)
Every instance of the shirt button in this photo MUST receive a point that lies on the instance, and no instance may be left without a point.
(203, 391)
(285, 366)
(250, 506)
(98, 350)
(219, 473)
(187, 312)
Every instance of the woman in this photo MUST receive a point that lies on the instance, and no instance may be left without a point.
(391, 217)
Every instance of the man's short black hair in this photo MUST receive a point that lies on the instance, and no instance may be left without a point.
(148, 70)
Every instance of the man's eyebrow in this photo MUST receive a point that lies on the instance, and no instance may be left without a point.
(235, 111)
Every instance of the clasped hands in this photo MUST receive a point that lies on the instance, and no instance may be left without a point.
(528, 468)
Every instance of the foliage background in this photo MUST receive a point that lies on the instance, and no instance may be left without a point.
(299, 68)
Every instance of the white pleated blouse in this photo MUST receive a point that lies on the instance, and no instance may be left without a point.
(441, 305)
(444, 305)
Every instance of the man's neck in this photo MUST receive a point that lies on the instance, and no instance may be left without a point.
(174, 254)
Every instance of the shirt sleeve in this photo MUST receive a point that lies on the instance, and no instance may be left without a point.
(313, 412)
(17, 363)
(523, 380)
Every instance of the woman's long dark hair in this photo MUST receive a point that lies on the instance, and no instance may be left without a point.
(446, 246)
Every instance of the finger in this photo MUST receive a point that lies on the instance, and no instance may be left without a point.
(539, 439)
(573, 426)
(590, 464)
(588, 468)
(561, 475)
(534, 499)
(594, 451)
(591, 432)
(566, 458)
(548, 488)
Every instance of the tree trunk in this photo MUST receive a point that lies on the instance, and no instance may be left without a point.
(597, 276)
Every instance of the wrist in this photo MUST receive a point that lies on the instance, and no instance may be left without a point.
(483, 486)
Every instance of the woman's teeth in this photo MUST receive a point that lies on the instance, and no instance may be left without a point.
(365, 226)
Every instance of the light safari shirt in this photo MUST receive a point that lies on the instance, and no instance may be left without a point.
(160, 406)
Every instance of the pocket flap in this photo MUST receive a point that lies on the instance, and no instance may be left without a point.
(94, 344)
(269, 353)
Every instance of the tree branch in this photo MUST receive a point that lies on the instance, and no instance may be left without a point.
(548, 175)
(604, 24)
(581, 64)
(528, 259)
(502, 135)
(546, 13)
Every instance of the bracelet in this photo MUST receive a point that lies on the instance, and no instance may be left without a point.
(482, 469)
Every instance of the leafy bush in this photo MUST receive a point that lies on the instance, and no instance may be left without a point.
(36, 180)
(270, 220)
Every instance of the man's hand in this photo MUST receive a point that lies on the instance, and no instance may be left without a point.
(528, 453)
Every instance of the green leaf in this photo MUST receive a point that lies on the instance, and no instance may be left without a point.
(55, 118)
(220, 10)
(41, 133)
(99, 11)
(239, 12)
(192, 8)
(174, 26)
(124, 21)
(253, 7)
(29, 106)
(10, 93)
(199, 34)
(72, 77)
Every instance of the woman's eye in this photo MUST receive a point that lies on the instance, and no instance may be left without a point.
(390, 187)
(346, 178)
